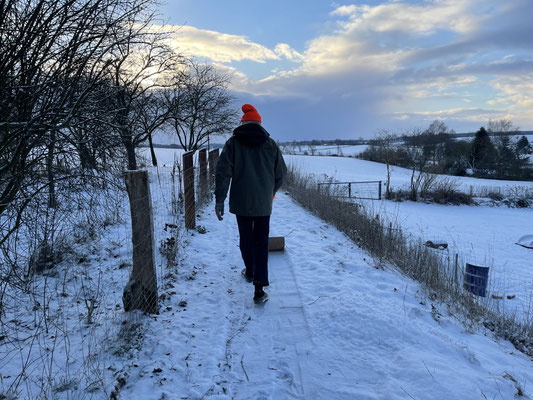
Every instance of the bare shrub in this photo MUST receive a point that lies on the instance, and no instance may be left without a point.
(445, 191)
(496, 196)
(428, 182)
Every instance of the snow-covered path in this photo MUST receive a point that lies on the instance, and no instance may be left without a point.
(335, 327)
(271, 346)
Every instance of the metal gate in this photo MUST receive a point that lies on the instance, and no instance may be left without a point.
(367, 190)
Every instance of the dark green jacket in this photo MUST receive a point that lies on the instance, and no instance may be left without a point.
(253, 162)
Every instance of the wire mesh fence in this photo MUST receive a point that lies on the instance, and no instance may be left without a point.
(61, 282)
(176, 193)
(77, 267)
(514, 191)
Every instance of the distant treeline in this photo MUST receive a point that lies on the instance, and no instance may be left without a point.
(498, 152)
(397, 139)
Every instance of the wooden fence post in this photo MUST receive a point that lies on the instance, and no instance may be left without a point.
(213, 159)
(202, 161)
(141, 290)
(188, 188)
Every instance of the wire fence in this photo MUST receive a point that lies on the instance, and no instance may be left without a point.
(176, 193)
(514, 191)
(69, 273)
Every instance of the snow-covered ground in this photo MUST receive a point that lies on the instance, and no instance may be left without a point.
(58, 332)
(352, 169)
(335, 327)
(325, 150)
(166, 156)
(481, 235)
(65, 335)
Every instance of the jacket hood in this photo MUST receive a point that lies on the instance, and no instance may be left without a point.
(251, 134)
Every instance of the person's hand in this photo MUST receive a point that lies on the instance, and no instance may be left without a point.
(219, 210)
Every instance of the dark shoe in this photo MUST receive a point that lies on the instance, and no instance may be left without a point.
(260, 297)
(248, 278)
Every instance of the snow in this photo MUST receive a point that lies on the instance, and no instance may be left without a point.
(352, 169)
(325, 150)
(46, 332)
(526, 241)
(165, 157)
(481, 235)
(335, 327)
(50, 337)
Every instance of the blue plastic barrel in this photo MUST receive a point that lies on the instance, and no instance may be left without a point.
(476, 279)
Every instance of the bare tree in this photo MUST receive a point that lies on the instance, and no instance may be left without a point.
(437, 142)
(137, 69)
(89, 135)
(384, 141)
(200, 105)
(152, 113)
(501, 130)
(417, 159)
(53, 53)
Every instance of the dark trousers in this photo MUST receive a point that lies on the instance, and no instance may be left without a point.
(253, 232)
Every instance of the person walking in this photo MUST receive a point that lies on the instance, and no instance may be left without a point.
(252, 161)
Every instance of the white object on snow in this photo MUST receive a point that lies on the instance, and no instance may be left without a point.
(526, 241)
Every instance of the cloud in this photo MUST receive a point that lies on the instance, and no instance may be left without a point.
(284, 50)
(224, 48)
(418, 19)
(469, 118)
(515, 91)
(381, 80)
(219, 47)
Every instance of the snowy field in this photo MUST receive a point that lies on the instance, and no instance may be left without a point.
(325, 150)
(481, 235)
(167, 155)
(335, 327)
(350, 169)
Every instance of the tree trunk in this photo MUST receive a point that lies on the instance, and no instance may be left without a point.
(141, 290)
(387, 191)
(130, 151)
(132, 160)
(50, 170)
(87, 160)
(152, 152)
(413, 186)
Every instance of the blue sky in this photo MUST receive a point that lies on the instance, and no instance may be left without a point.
(346, 69)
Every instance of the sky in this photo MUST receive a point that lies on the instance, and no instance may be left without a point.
(317, 69)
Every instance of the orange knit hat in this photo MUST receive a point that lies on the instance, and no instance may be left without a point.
(250, 113)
